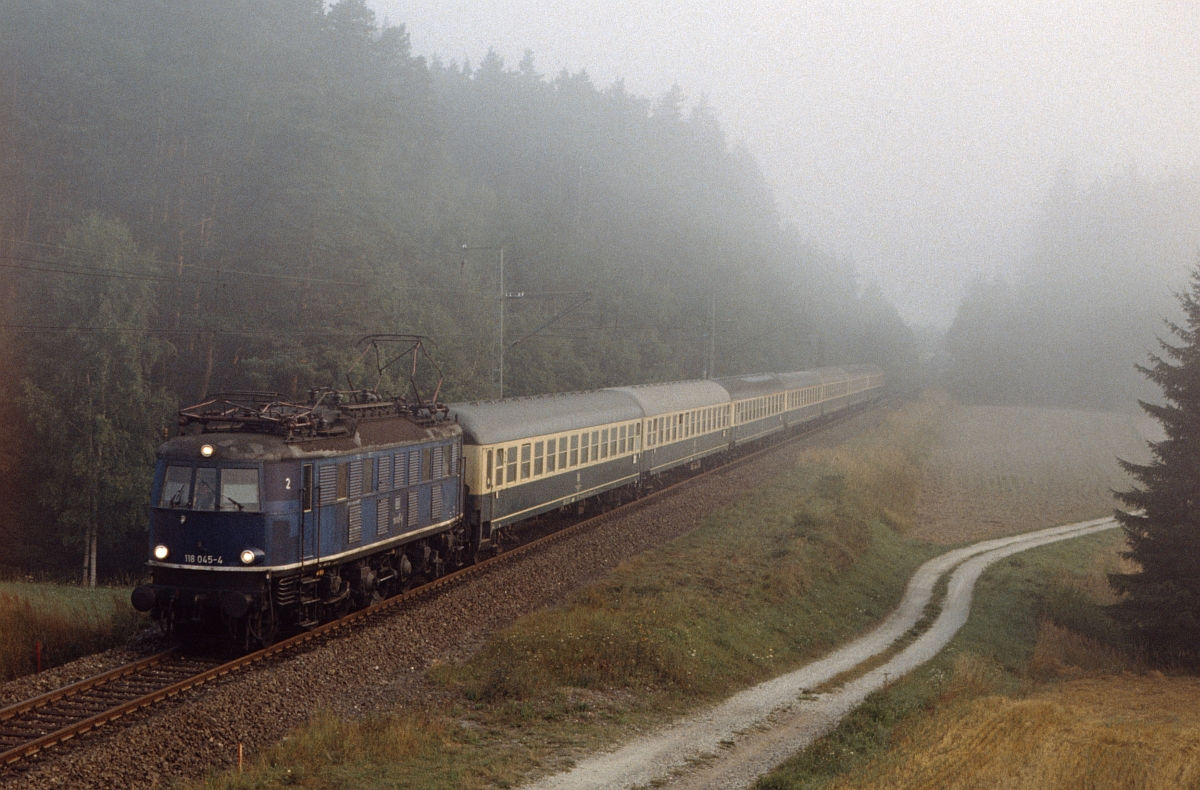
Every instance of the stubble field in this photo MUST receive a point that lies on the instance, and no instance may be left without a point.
(1002, 470)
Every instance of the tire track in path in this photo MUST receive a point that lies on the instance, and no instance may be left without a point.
(732, 744)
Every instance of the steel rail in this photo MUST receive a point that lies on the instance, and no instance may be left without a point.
(86, 684)
(424, 591)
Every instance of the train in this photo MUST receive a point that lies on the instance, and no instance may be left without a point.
(270, 515)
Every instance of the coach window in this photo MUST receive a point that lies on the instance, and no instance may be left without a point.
(575, 450)
(551, 454)
(583, 447)
(512, 464)
(622, 447)
(595, 445)
(239, 490)
(604, 443)
(499, 466)
(177, 487)
(612, 442)
(488, 466)
(206, 489)
(306, 486)
(538, 449)
(562, 453)
(525, 450)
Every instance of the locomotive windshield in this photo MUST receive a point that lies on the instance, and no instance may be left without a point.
(238, 489)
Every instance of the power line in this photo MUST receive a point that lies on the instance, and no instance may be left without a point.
(181, 331)
(55, 267)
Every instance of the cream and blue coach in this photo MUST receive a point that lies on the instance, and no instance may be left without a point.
(527, 456)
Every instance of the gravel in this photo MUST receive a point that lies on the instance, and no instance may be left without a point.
(375, 667)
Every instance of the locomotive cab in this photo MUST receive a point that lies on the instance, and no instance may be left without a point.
(224, 507)
(210, 537)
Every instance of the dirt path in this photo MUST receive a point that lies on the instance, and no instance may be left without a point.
(729, 746)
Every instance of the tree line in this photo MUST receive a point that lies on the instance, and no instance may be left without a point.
(227, 195)
(1084, 305)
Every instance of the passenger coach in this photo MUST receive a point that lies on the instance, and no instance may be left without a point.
(527, 456)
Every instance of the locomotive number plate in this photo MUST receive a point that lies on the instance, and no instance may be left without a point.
(203, 559)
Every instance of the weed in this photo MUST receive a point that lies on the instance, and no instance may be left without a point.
(68, 621)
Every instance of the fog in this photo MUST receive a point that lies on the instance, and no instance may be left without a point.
(919, 140)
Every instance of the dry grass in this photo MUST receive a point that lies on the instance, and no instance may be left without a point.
(1003, 470)
(1128, 732)
(69, 621)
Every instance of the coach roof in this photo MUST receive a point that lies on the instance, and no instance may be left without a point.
(512, 419)
(656, 399)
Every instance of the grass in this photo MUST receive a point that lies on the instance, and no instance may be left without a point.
(760, 587)
(69, 621)
(1037, 622)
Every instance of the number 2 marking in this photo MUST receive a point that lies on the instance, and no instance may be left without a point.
(288, 482)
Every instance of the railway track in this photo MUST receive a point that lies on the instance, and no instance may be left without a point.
(34, 725)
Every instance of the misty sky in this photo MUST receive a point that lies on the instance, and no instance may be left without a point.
(916, 139)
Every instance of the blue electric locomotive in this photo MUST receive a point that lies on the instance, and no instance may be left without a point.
(269, 514)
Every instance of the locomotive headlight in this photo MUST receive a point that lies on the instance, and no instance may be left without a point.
(251, 556)
(161, 552)
(206, 450)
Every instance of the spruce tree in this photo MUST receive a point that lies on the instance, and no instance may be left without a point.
(1161, 604)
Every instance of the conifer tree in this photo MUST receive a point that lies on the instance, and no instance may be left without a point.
(1162, 599)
